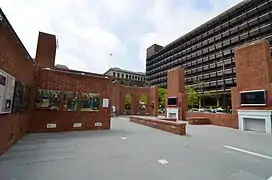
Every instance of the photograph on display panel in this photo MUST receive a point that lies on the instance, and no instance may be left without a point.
(70, 101)
(48, 99)
(7, 85)
(90, 102)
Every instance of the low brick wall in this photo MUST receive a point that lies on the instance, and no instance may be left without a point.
(168, 119)
(218, 119)
(56, 121)
(198, 120)
(172, 127)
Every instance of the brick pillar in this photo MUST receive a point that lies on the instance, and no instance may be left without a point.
(252, 65)
(153, 96)
(46, 50)
(253, 71)
(176, 88)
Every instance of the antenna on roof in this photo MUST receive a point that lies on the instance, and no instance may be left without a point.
(110, 60)
(57, 43)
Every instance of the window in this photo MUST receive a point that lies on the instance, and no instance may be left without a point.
(118, 75)
(126, 76)
(122, 75)
(114, 74)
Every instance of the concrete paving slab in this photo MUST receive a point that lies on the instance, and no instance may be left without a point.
(104, 155)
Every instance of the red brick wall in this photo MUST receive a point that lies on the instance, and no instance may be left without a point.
(226, 120)
(14, 60)
(46, 50)
(118, 93)
(153, 94)
(253, 72)
(175, 81)
(65, 81)
(176, 88)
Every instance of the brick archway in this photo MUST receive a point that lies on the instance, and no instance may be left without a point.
(118, 99)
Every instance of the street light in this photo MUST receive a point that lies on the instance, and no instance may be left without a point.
(224, 84)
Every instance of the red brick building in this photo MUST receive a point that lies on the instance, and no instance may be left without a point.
(46, 98)
(31, 114)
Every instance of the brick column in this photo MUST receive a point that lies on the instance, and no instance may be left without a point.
(176, 88)
(153, 98)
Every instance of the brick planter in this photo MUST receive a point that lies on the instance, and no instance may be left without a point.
(198, 120)
(172, 127)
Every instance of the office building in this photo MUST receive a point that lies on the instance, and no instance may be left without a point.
(126, 77)
(207, 52)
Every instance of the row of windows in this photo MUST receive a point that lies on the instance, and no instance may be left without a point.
(202, 77)
(206, 57)
(227, 63)
(225, 23)
(219, 42)
(220, 82)
(128, 76)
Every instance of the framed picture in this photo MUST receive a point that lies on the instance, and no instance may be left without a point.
(90, 102)
(48, 99)
(70, 101)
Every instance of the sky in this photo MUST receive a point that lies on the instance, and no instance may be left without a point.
(96, 35)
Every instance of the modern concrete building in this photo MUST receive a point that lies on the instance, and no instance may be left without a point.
(126, 77)
(207, 52)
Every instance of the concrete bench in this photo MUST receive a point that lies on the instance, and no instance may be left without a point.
(198, 120)
(169, 126)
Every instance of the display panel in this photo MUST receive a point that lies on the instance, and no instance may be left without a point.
(253, 98)
(7, 84)
(48, 99)
(172, 101)
(90, 102)
(70, 101)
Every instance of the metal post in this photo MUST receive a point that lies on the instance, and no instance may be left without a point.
(224, 85)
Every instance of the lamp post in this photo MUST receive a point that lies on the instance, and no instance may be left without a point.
(224, 85)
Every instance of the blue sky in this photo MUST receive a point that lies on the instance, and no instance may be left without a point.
(88, 30)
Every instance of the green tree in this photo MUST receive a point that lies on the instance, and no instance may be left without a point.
(161, 96)
(128, 98)
(193, 96)
(143, 98)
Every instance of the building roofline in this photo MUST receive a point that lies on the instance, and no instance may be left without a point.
(76, 72)
(125, 71)
(203, 24)
(14, 32)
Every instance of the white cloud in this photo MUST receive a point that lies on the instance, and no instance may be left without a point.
(88, 30)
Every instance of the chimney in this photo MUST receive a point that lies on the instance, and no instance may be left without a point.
(46, 50)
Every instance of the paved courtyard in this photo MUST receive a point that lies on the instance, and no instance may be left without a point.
(132, 151)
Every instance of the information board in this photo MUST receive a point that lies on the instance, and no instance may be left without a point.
(7, 85)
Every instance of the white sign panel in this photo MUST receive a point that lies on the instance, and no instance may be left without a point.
(77, 125)
(105, 102)
(51, 126)
(7, 85)
(98, 124)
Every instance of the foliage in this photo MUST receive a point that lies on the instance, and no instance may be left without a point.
(200, 89)
(128, 98)
(161, 96)
(193, 96)
(143, 98)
